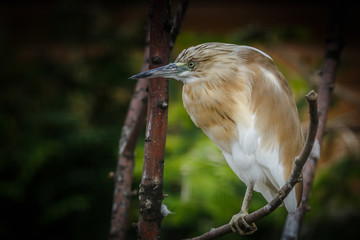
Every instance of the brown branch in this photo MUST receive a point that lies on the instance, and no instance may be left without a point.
(162, 40)
(134, 120)
(150, 192)
(295, 177)
(334, 45)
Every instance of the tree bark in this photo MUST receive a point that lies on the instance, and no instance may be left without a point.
(150, 192)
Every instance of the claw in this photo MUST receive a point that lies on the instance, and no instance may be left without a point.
(238, 224)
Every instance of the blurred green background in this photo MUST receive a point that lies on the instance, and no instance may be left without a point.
(64, 95)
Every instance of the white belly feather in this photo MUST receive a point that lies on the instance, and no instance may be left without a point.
(251, 163)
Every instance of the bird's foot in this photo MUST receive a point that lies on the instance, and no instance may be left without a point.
(238, 224)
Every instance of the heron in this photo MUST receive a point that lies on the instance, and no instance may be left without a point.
(243, 103)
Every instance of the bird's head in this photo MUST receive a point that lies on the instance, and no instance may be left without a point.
(199, 62)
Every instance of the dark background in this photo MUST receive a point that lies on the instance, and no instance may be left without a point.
(64, 95)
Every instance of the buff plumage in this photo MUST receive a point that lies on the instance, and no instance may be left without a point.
(243, 103)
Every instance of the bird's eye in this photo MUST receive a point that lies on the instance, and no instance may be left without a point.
(191, 64)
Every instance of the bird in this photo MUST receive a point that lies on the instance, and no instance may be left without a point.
(243, 103)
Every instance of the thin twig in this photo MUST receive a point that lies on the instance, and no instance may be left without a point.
(295, 177)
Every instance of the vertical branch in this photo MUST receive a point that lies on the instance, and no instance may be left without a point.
(150, 192)
(334, 45)
(134, 120)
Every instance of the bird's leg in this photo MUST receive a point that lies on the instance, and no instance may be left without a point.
(244, 228)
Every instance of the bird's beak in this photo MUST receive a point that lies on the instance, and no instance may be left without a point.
(171, 70)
